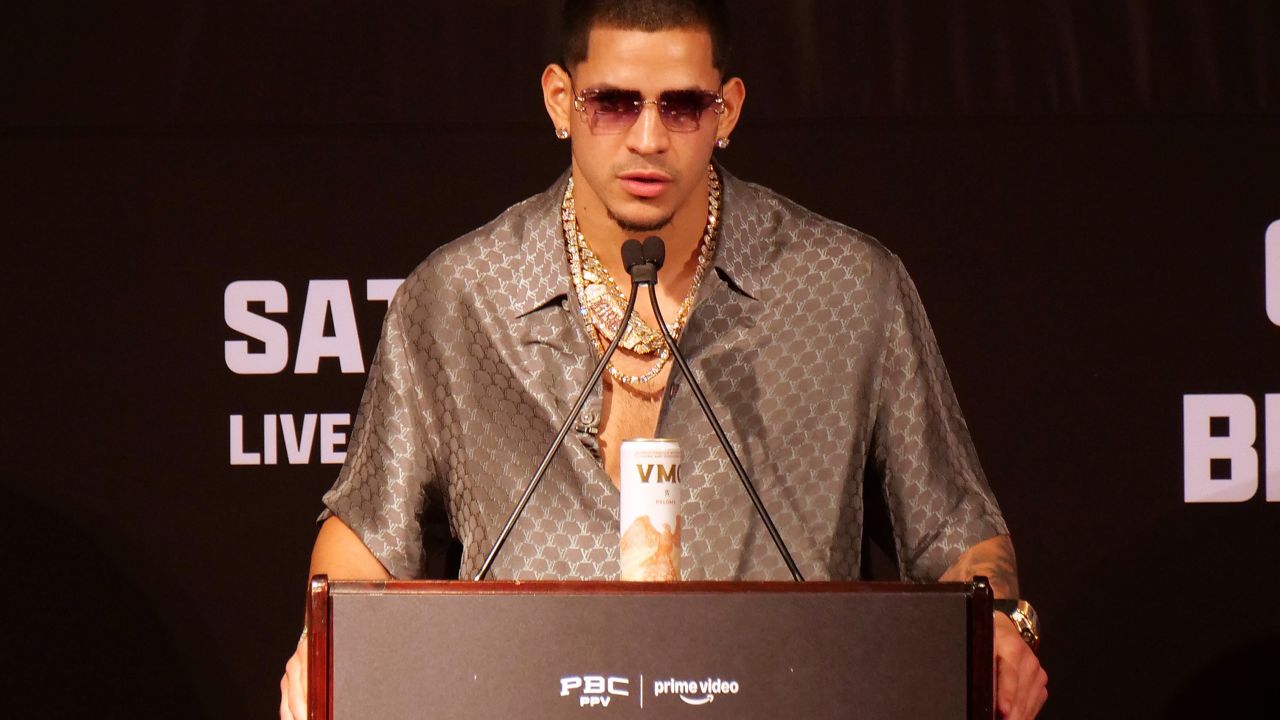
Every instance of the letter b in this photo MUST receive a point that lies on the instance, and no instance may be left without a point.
(1202, 445)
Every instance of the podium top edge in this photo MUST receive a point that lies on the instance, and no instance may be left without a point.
(602, 587)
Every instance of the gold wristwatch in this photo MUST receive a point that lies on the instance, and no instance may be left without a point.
(1023, 617)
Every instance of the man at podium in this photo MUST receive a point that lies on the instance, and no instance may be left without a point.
(808, 336)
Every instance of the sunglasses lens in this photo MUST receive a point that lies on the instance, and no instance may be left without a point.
(613, 110)
(682, 109)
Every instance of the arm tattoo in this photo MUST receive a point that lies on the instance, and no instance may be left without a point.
(993, 558)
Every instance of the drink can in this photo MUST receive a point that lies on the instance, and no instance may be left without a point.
(652, 490)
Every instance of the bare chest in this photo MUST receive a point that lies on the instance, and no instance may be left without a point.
(627, 413)
(631, 411)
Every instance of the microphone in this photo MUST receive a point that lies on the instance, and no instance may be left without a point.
(632, 254)
(634, 259)
(654, 251)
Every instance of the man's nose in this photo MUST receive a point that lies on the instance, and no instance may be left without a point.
(648, 136)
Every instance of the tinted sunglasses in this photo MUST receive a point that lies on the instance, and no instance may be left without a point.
(610, 110)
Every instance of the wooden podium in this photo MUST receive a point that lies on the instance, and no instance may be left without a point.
(743, 650)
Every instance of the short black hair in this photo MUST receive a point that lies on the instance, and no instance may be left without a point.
(580, 16)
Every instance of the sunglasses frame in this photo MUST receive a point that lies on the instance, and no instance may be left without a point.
(716, 103)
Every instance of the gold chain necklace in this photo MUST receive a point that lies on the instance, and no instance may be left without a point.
(601, 303)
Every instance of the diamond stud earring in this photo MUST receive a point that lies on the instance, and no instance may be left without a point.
(722, 143)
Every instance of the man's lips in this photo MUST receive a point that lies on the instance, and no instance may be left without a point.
(645, 184)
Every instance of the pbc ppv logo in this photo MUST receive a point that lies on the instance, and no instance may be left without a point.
(594, 690)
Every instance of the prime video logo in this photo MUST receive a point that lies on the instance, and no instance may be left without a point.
(695, 692)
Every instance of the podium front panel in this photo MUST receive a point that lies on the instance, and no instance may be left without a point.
(556, 652)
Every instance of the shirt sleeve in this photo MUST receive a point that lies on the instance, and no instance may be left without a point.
(938, 497)
(381, 492)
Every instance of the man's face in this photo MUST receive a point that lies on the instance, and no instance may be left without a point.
(644, 174)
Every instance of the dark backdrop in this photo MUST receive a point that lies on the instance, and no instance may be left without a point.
(1080, 190)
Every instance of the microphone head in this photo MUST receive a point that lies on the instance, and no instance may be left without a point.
(632, 254)
(655, 251)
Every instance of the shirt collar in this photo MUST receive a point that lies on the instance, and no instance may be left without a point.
(744, 226)
(740, 252)
(544, 267)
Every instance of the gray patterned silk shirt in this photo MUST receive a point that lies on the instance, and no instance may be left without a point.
(809, 340)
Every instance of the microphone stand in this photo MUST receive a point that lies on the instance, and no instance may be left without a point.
(715, 425)
(643, 267)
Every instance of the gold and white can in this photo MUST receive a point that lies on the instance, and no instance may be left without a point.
(651, 492)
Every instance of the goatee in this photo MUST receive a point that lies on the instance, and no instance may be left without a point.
(638, 227)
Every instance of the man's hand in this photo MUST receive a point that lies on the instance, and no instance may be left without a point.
(340, 554)
(293, 686)
(1021, 684)
(1020, 681)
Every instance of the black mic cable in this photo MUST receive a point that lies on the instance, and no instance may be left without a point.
(632, 255)
(654, 254)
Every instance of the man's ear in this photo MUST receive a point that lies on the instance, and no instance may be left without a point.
(557, 95)
(735, 94)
